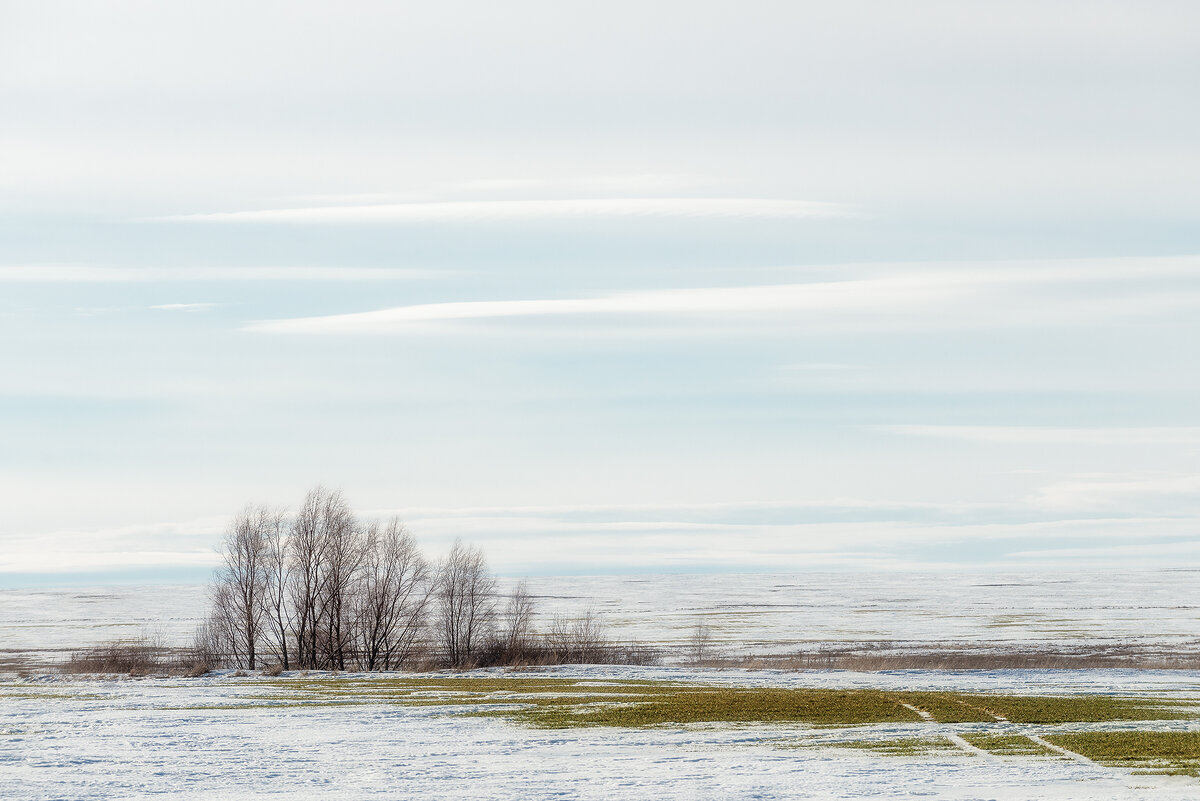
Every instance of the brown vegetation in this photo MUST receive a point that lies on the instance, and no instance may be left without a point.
(910, 656)
(144, 655)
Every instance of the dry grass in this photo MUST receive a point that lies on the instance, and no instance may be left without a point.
(140, 656)
(875, 656)
(136, 657)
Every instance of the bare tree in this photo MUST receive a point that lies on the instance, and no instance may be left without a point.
(275, 589)
(559, 639)
(590, 638)
(391, 597)
(241, 583)
(581, 640)
(324, 555)
(206, 651)
(306, 553)
(466, 603)
(343, 558)
(700, 642)
(221, 628)
(517, 619)
(320, 591)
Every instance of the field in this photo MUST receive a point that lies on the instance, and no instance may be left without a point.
(743, 729)
(881, 620)
(607, 733)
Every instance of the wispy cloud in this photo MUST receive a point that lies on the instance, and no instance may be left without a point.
(179, 544)
(817, 298)
(629, 183)
(784, 535)
(1050, 434)
(917, 296)
(818, 525)
(1121, 553)
(513, 188)
(504, 210)
(1158, 491)
(88, 273)
(184, 307)
(819, 367)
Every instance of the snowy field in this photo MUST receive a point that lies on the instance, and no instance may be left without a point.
(748, 613)
(64, 737)
(217, 738)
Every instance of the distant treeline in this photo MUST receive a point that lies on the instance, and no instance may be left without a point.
(322, 590)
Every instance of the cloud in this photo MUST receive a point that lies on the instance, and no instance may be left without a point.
(189, 543)
(816, 298)
(1157, 491)
(794, 526)
(877, 296)
(1050, 434)
(819, 367)
(572, 538)
(524, 542)
(1160, 552)
(509, 210)
(185, 307)
(98, 274)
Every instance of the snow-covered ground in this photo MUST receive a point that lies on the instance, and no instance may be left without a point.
(70, 738)
(747, 612)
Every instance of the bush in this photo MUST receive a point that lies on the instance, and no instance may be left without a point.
(136, 657)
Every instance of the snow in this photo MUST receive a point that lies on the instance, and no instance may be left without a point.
(746, 612)
(126, 739)
(73, 738)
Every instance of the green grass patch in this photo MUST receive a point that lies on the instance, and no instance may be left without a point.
(446, 692)
(904, 746)
(406, 691)
(569, 703)
(1170, 752)
(271, 704)
(397, 687)
(561, 702)
(1077, 708)
(683, 705)
(947, 707)
(36, 694)
(1006, 744)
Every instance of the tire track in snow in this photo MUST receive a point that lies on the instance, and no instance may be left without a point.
(950, 735)
(1058, 749)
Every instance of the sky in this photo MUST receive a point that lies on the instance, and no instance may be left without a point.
(603, 287)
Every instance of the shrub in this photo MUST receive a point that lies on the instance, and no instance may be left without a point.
(137, 657)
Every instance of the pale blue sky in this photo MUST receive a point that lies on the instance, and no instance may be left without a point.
(603, 287)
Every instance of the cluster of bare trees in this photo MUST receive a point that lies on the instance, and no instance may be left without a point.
(322, 590)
